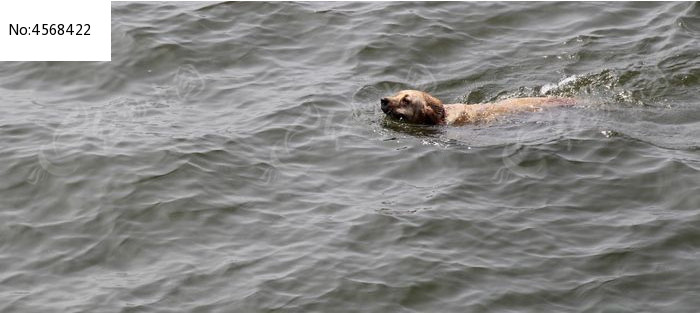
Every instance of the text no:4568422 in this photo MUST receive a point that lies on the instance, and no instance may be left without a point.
(50, 30)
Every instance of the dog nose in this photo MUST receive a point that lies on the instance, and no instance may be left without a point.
(384, 102)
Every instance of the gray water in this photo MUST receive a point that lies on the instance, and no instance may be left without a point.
(233, 158)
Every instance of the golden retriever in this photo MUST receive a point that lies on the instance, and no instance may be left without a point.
(419, 107)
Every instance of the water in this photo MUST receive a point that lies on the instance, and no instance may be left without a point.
(233, 158)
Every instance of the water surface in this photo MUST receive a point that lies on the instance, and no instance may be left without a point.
(233, 158)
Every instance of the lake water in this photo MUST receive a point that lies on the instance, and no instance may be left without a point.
(233, 158)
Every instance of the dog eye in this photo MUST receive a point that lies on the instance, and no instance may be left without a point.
(404, 99)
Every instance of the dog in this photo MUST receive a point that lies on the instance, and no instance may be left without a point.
(419, 107)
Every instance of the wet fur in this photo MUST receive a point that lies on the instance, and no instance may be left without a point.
(419, 107)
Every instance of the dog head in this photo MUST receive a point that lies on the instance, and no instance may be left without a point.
(414, 107)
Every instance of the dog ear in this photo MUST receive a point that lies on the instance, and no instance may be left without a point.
(432, 101)
(436, 111)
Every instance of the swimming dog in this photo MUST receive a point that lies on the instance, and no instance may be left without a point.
(419, 107)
